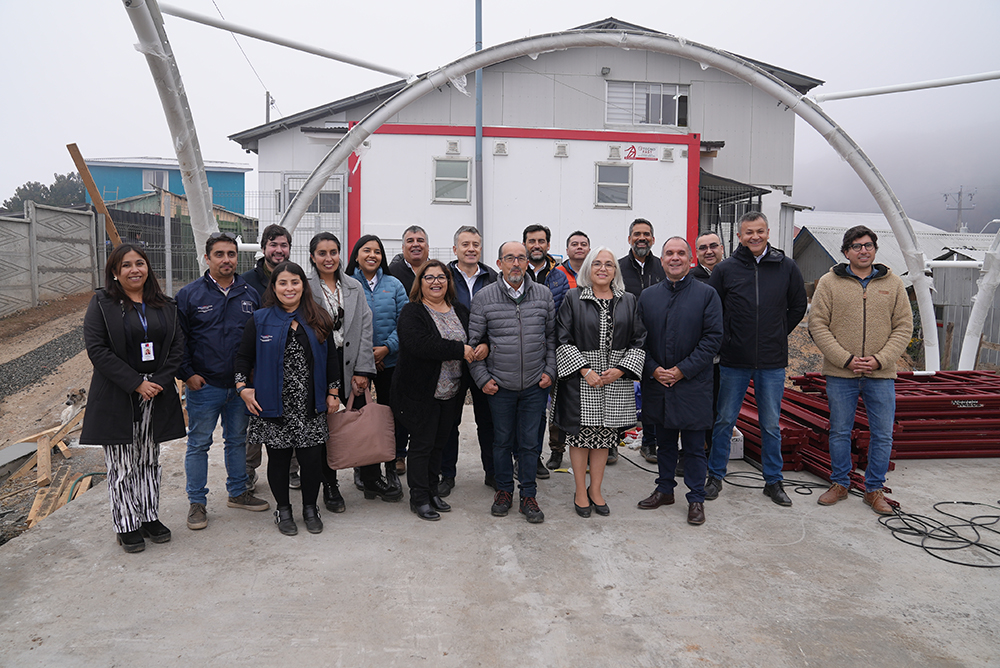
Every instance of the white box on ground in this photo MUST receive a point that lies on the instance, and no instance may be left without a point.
(736, 445)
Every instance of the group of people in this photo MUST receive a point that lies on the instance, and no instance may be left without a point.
(272, 351)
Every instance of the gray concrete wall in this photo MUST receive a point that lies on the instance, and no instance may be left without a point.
(49, 253)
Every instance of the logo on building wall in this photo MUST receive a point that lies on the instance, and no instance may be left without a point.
(636, 152)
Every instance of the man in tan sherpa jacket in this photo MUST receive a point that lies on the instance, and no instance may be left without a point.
(862, 322)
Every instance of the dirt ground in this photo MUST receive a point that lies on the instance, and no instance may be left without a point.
(38, 406)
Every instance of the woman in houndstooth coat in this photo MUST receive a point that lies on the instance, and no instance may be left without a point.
(599, 354)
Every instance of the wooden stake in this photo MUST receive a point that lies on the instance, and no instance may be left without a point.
(95, 196)
(50, 502)
(64, 449)
(44, 461)
(36, 506)
(83, 486)
(25, 467)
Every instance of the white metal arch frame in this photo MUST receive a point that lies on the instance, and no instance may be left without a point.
(805, 108)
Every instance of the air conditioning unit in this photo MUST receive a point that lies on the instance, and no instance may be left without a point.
(453, 147)
(500, 148)
(562, 150)
(667, 155)
(614, 152)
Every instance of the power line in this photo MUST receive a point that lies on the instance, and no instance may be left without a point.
(240, 46)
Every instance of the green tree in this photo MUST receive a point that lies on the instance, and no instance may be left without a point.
(66, 190)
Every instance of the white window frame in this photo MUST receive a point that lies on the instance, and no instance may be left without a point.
(628, 107)
(435, 179)
(598, 204)
(155, 177)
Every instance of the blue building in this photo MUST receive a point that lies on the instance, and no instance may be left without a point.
(121, 178)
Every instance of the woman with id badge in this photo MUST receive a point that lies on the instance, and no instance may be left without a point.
(136, 345)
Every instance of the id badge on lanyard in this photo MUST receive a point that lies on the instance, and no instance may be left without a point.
(146, 347)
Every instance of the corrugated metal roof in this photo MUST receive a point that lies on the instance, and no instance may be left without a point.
(933, 244)
(169, 163)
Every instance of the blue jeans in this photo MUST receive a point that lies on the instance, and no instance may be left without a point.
(769, 388)
(516, 416)
(204, 408)
(879, 395)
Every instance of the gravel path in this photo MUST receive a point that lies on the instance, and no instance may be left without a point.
(33, 366)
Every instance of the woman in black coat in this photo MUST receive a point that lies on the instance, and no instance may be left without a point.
(427, 389)
(136, 346)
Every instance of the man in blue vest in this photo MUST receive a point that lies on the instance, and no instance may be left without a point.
(212, 311)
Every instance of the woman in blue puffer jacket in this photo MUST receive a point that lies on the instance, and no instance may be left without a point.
(386, 298)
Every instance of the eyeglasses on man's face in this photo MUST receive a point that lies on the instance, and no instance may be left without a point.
(511, 259)
(705, 247)
(867, 246)
(436, 278)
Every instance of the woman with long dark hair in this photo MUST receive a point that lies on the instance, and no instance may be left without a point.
(136, 345)
(296, 380)
(428, 387)
(344, 299)
(386, 298)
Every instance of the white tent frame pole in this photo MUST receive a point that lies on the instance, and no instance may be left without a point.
(982, 302)
(805, 108)
(148, 24)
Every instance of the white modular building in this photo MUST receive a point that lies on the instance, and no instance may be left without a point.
(581, 139)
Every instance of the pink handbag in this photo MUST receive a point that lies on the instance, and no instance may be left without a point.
(360, 437)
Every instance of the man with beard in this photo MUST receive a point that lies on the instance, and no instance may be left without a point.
(276, 245)
(415, 252)
(710, 252)
(640, 270)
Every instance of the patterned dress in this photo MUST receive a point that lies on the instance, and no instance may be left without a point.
(294, 429)
(596, 436)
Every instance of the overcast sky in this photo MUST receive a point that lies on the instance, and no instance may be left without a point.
(70, 74)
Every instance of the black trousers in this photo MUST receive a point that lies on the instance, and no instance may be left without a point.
(423, 464)
(484, 432)
(312, 461)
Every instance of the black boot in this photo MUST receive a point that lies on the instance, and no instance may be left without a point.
(332, 498)
(391, 477)
(131, 541)
(357, 480)
(286, 523)
(311, 516)
(381, 489)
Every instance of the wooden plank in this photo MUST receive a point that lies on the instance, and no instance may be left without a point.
(34, 437)
(16, 492)
(949, 338)
(25, 467)
(64, 496)
(83, 486)
(95, 195)
(50, 502)
(44, 476)
(68, 427)
(64, 449)
(36, 506)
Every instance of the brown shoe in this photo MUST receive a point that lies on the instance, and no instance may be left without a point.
(878, 503)
(401, 466)
(832, 495)
(696, 513)
(655, 500)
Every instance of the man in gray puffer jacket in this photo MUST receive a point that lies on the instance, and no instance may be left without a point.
(516, 317)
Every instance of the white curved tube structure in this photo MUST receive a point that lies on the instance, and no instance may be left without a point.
(982, 301)
(805, 108)
(148, 25)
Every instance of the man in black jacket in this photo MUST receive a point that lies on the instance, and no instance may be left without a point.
(710, 253)
(276, 245)
(415, 252)
(640, 270)
(763, 299)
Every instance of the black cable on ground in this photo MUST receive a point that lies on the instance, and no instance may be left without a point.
(936, 537)
(638, 466)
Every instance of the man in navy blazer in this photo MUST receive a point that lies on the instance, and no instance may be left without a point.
(683, 319)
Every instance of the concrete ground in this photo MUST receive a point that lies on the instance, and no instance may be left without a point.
(757, 585)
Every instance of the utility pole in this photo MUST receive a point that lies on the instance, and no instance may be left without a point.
(267, 106)
(960, 205)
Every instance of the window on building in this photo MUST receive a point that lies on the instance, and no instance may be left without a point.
(640, 103)
(451, 180)
(327, 201)
(614, 185)
(158, 178)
